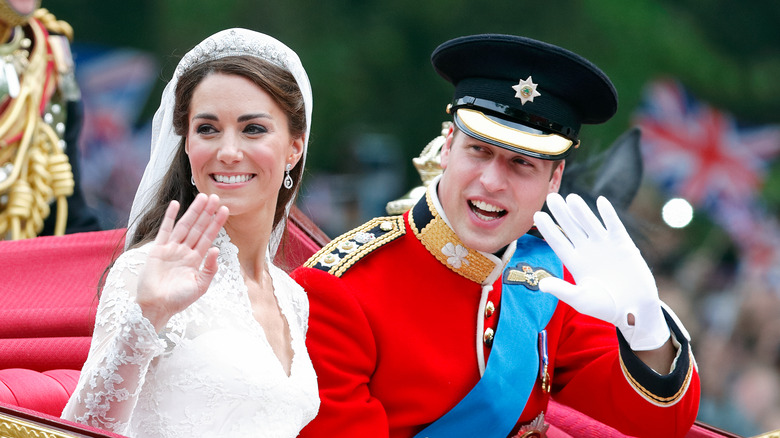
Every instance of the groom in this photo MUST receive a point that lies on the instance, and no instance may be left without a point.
(462, 317)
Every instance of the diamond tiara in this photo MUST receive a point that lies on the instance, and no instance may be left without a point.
(232, 43)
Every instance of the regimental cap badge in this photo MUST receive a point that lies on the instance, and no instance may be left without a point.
(526, 90)
(492, 76)
(526, 275)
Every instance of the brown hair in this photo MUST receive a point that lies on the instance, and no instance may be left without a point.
(176, 185)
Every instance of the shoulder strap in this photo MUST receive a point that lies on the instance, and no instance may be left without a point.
(344, 251)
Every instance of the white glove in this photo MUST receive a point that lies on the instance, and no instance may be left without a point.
(613, 280)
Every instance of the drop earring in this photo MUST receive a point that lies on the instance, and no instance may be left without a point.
(288, 182)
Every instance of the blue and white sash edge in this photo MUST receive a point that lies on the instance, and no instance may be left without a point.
(494, 405)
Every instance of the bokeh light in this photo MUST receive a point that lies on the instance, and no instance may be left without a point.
(677, 213)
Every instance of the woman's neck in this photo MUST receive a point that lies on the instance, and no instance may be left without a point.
(251, 237)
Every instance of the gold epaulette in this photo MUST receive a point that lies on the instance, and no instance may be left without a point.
(344, 251)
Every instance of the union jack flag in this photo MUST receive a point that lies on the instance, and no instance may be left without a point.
(699, 153)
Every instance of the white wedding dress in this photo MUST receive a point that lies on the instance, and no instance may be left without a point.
(210, 372)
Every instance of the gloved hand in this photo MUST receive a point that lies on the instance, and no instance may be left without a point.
(613, 280)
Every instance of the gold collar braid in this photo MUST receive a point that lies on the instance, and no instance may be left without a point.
(34, 171)
(442, 242)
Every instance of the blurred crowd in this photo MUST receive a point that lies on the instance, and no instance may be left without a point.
(730, 310)
(731, 313)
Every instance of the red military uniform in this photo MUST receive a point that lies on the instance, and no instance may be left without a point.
(392, 336)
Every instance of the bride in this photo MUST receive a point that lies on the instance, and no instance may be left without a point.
(197, 332)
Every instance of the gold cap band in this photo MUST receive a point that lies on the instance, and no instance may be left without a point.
(537, 144)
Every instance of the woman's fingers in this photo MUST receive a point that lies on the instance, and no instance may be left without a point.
(210, 267)
(167, 223)
(198, 226)
(185, 223)
(202, 221)
(208, 236)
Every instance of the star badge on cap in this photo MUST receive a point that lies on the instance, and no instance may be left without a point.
(526, 90)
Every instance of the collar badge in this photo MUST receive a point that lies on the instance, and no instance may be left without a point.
(526, 90)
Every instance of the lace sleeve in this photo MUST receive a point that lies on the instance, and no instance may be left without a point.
(123, 345)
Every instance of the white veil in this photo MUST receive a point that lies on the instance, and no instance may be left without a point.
(230, 42)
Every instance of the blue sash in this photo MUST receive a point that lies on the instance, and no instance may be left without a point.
(493, 406)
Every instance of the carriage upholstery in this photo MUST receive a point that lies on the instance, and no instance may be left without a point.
(48, 298)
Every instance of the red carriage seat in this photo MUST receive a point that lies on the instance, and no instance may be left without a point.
(48, 299)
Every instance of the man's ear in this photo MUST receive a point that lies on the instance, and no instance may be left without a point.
(445, 148)
(557, 175)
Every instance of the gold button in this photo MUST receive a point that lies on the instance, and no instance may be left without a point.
(488, 337)
(489, 309)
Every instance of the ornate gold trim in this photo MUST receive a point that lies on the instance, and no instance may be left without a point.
(442, 242)
(548, 144)
(35, 170)
(53, 24)
(344, 251)
(653, 398)
(12, 427)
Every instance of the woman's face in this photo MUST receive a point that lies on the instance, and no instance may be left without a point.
(238, 142)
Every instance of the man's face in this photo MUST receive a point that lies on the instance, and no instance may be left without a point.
(490, 194)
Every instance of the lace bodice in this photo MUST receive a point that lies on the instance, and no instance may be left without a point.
(210, 372)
